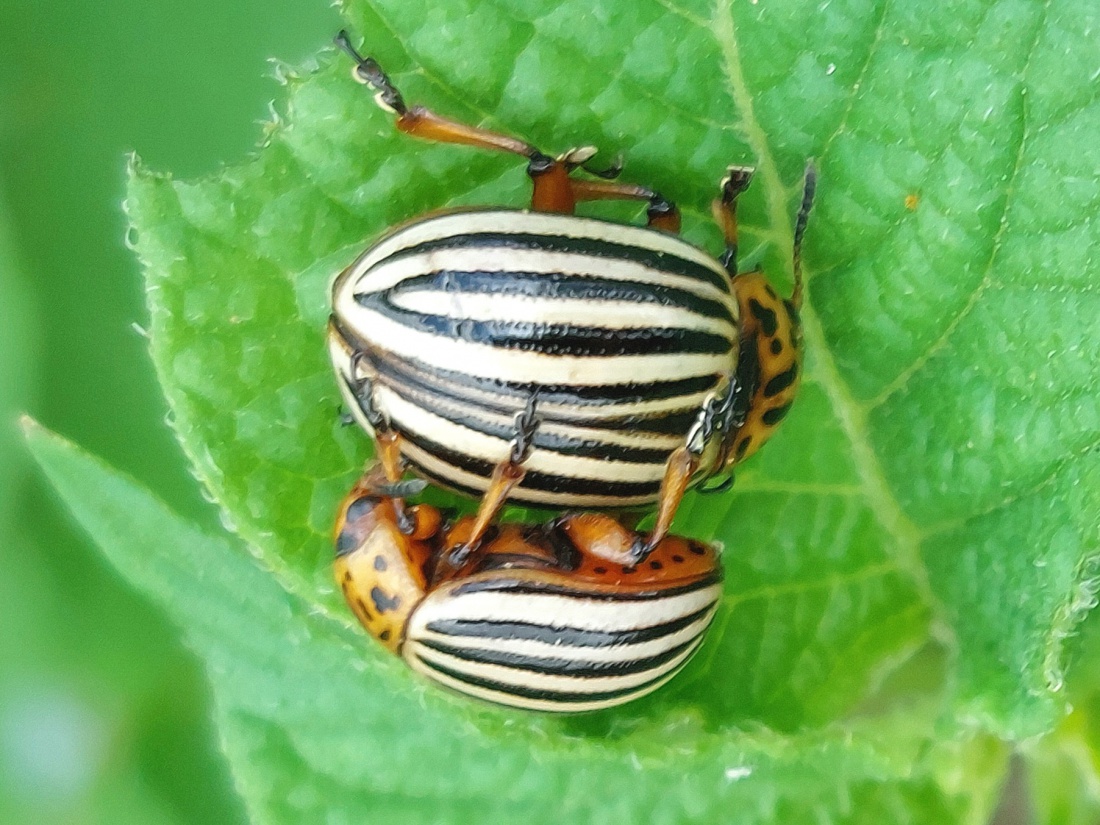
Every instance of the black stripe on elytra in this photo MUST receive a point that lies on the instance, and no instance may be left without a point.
(443, 481)
(468, 415)
(593, 247)
(658, 422)
(569, 636)
(501, 396)
(517, 496)
(533, 588)
(780, 382)
(766, 316)
(533, 480)
(546, 694)
(552, 339)
(563, 285)
(556, 666)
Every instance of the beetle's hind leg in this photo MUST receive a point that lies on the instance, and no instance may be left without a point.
(421, 122)
(554, 189)
(387, 441)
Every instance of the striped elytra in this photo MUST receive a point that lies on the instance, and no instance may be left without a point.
(453, 322)
(542, 621)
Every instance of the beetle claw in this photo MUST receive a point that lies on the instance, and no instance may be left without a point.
(640, 549)
(457, 557)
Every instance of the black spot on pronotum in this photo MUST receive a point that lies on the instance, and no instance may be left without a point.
(775, 415)
(382, 602)
(780, 382)
(384, 635)
(599, 571)
(364, 611)
(655, 565)
(743, 446)
(628, 569)
(678, 559)
(360, 507)
(380, 564)
(765, 316)
(697, 549)
(776, 346)
(346, 542)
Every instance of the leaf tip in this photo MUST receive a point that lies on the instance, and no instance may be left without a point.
(31, 428)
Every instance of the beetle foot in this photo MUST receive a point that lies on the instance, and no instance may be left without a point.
(641, 548)
(457, 557)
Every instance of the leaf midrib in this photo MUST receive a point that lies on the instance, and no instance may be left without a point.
(903, 534)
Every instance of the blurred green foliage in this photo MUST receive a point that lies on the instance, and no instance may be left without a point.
(104, 719)
(103, 716)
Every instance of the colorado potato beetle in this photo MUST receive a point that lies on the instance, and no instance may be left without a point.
(556, 360)
(551, 617)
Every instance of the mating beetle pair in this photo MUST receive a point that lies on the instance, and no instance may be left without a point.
(556, 361)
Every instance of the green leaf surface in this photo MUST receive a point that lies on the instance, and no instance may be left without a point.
(315, 735)
(936, 488)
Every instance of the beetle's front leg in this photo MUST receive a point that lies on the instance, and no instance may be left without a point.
(721, 413)
(506, 477)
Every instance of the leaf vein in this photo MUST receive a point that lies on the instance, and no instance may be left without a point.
(880, 498)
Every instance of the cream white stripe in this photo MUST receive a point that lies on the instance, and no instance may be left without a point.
(542, 681)
(621, 315)
(580, 653)
(514, 365)
(539, 223)
(562, 611)
(423, 399)
(412, 418)
(341, 355)
(390, 272)
(510, 700)
(594, 413)
(521, 495)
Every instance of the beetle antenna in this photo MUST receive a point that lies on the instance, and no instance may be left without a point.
(809, 186)
(368, 72)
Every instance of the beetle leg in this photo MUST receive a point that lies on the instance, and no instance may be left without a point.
(506, 477)
(771, 346)
(719, 415)
(421, 122)
(660, 214)
(681, 467)
(385, 437)
(556, 191)
(735, 182)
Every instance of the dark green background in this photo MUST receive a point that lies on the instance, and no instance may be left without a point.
(103, 715)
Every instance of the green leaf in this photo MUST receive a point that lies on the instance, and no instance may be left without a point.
(316, 735)
(934, 495)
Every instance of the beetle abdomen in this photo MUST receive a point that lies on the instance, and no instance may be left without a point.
(621, 332)
(534, 642)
